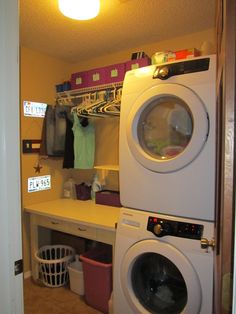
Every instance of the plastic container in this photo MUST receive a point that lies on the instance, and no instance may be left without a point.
(97, 266)
(53, 264)
(108, 197)
(69, 189)
(96, 186)
(76, 276)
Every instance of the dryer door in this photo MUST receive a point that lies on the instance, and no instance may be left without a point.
(157, 278)
(167, 127)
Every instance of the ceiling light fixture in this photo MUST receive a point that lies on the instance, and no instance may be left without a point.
(79, 9)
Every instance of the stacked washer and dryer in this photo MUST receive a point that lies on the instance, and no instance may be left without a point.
(163, 253)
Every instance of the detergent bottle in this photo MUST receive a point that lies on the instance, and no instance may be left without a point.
(96, 186)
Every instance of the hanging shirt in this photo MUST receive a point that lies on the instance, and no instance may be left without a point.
(68, 161)
(84, 144)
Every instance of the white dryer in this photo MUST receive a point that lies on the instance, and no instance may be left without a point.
(160, 266)
(167, 138)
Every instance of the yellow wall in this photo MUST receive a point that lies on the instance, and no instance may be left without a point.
(39, 75)
(194, 40)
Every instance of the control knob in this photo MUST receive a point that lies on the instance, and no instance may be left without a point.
(158, 229)
(163, 72)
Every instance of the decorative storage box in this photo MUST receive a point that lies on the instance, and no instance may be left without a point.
(138, 63)
(107, 197)
(114, 73)
(79, 80)
(96, 77)
(183, 54)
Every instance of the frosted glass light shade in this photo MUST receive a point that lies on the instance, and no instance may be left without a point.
(79, 9)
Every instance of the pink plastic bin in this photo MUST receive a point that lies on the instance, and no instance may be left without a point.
(97, 267)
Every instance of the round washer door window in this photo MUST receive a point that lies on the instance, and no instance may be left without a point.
(167, 127)
(157, 278)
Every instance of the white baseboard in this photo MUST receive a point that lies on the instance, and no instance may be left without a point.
(27, 274)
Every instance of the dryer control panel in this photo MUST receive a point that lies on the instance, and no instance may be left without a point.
(165, 71)
(164, 227)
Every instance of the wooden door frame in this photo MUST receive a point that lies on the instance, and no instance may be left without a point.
(225, 200)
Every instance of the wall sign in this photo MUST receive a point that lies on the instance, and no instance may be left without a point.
(34, 109)
(36, 184)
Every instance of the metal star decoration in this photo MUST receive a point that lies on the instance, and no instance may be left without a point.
(38, 168)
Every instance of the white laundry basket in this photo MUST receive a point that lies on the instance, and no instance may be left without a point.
(53, 264)
(76, 276)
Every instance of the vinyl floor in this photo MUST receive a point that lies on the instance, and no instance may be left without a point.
(39, 299)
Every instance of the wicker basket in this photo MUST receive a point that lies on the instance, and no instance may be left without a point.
(53, 264)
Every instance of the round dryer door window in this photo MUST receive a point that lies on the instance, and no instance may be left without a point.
(157, 278)
(167, 127)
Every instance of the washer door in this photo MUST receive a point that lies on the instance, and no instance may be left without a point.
(167, 127)
(157, 278)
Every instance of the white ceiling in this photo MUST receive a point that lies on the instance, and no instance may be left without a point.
(121, 24)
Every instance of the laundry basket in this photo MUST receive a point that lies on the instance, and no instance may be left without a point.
(53, 264)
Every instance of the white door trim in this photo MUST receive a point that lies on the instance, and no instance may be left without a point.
(11, 286)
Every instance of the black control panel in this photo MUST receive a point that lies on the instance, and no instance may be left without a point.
(163, 227)
(165, 71)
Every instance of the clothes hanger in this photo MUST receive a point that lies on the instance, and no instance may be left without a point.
(99, 104)
(87, 109)
(113, 106)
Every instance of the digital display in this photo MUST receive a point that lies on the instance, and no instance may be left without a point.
(34, 109)
(41, 183)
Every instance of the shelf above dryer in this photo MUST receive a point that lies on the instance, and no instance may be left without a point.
(107, 167)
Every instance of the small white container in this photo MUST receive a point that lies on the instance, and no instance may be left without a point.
(76, 276)
(110, 304)
(69, 189)
(160, 57)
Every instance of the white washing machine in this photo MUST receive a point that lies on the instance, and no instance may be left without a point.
(167, 138)
(160, 267)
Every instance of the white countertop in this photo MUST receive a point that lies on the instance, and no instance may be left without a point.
(77, 211)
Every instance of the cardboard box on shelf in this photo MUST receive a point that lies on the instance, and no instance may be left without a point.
(183, 54)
